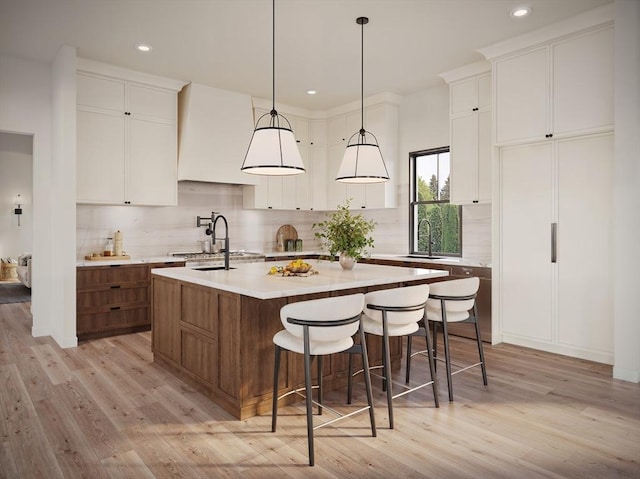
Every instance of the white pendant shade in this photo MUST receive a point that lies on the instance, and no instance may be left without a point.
(273, 151)
(362, 163)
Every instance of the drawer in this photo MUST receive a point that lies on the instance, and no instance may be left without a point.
(110, 320)
(114, 296)
(89, 276)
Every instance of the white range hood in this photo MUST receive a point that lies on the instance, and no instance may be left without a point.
(214, 130)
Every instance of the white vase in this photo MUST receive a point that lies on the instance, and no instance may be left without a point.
(347, 262)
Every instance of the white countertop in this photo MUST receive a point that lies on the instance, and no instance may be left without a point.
(107, 262)
(251, 279)
(448, 261)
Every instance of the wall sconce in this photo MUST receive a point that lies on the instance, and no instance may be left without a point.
(18, 207)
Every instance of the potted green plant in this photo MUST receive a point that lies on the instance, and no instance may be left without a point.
(346, 235)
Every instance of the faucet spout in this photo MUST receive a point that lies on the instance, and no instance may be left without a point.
(429, 239)
(226, 237)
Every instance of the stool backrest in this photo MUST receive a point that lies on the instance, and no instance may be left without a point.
(397, 297)
(324, 310)
(454, 288)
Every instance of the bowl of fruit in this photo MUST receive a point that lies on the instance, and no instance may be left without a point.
(295, 267)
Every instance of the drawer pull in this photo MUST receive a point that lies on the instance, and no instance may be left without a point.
(115, 308)
(115, 286)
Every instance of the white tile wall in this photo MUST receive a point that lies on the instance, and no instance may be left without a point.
(152, 231)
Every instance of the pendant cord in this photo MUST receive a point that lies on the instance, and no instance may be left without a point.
(362, 80)
(273, 64)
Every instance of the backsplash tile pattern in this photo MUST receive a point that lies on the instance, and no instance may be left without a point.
(154, 231)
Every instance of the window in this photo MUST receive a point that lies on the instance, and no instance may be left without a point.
(431, 216)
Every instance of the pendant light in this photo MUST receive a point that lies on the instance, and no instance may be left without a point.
(273, 149)
(362, 161)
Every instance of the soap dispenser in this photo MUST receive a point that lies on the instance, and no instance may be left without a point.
(108, 249)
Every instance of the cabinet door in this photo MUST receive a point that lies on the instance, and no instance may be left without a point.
(152, 166)
(463, 95)
(585, 187)
(101, 157)
(149, 102)
(336, 191)
(521, 103)
(321, 179)
(106, 94)
(526, 215)
(464, 159)
(485, 157)
(583, 83)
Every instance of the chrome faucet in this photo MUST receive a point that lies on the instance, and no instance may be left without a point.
(430, 243)
(211, 230)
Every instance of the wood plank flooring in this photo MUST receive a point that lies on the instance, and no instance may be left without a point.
(104, 410)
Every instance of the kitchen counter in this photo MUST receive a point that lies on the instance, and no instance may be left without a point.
(445, 261)
(214, 329)
(251, 279)
(108, 262)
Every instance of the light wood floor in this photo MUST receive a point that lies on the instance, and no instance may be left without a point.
(104, 410)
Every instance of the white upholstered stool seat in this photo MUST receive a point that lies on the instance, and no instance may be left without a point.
(316, 328)
(396, 312)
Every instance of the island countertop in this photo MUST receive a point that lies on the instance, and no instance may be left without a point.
(251, 279)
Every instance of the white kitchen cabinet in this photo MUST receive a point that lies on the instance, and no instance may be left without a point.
(126, 142)
(557, 296)
(561, 89)
(470, 140)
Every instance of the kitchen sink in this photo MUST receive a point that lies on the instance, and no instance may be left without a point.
(423, 256)
(211, 268)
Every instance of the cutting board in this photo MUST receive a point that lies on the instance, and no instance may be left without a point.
(288, 232)
(106, 258)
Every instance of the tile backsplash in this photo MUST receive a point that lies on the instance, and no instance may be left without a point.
(154, 231)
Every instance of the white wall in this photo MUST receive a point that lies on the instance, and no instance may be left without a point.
(16, 165)
(626, 219)
(25, 107)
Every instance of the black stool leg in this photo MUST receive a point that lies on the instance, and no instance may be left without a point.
(432, 368)
(319, 359)
(480, 350)
(274, 407)
(435, 344)
(387, 366)
(350, 379)
(447, 352)
(367, 379)
(408, 366)
(308, 393)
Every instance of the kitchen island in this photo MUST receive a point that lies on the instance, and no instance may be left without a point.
(214, 329)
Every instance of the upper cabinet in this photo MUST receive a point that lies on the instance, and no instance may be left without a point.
(563, 88)
(126, 137)
(470, 133)
(215, 129)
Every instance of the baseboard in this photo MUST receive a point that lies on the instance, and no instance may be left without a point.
(572, 351)
(625, 374)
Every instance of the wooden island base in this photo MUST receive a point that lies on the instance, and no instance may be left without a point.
(221, 343)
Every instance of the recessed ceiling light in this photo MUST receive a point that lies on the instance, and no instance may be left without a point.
(311, 92)
(520, 12)
(143, 47)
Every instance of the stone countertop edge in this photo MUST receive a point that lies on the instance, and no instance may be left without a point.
(108, 262)
(452, 261)
(251, 279)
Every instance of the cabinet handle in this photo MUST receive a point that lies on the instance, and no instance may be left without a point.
(115, 265)
(554, 242)
(115, 286)
(474, 109)
(115, 308)
(475, 201)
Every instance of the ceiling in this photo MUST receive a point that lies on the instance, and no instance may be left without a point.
(227, 43)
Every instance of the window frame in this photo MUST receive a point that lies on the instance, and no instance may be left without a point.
(414, 203)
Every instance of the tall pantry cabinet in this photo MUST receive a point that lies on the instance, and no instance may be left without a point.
(553, 126)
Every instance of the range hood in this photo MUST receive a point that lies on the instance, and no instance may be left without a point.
(214, 130)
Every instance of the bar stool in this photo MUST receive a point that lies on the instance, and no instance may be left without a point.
(451, 302)
(396, 312)
(316, 328)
